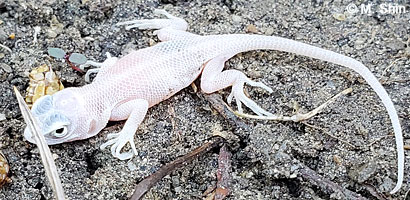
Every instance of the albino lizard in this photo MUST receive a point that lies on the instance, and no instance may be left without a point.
(125, 88)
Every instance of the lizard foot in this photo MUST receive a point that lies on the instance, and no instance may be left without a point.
(110, 61)
(240, 97)
(143, 24)
(118, 141)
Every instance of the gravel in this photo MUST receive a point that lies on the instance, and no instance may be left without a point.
(261, 167)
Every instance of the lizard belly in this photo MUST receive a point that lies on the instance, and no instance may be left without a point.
(156, 83)
(171, 82)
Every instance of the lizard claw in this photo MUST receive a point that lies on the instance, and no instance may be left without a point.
(112, 135)
(118, 141)
(162, 12)
(259, 84)
(240, 97)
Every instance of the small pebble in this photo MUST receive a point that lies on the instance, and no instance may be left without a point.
(408, 50)
(131, 166)
(2, 116)
(337, 160)
(143, 168)
(236, 19)
(331, 84)
(3, 35)
(6, 68)
(4, 170)
(269, 31)
(339, 16)
(151, 42)
(386, 185)
(248, 175)
(294, 168)
(364, 172)
(251, 29)
(175, 181)
(12, 36)
(178, 189)
(51, 34)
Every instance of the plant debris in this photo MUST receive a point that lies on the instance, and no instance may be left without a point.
(151, 180)
(43, 81)
(224, 175)
(45, 154)
(4, 170)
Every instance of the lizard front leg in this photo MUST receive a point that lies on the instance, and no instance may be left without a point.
(135, 111)
(214, 79)
(109, 62)
(173, 28)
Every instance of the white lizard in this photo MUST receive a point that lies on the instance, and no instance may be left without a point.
(125, 88)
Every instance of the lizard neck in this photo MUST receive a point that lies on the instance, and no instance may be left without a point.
(98, 105)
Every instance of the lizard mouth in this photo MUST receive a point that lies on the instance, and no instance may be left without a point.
(28, 135)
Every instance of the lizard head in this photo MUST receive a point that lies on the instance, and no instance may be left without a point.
(60, 117)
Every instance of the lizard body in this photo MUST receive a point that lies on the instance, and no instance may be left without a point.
(125, 88)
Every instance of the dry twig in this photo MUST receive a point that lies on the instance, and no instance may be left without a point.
(331, 135)
(45, 154)
(223, 109)
(5, 47)
(299, 116)
(224, 174)
(151, 180)
(374, 192)
(326, 185)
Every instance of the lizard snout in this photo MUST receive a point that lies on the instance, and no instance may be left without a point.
(28, 135)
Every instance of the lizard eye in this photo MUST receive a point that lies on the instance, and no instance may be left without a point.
(61, 132)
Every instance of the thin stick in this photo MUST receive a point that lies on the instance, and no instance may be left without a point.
(151, 180)
(330, 135)
(373, 191)
(6, 48)
(224, 110)
(299, 116)
(45, 154)
(223, 174)
(327, 185)
(391, 65)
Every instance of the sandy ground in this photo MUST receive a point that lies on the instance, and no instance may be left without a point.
(358, 154)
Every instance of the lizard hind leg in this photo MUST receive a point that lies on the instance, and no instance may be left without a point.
(172, 28)
(173, 22)
(214, 79)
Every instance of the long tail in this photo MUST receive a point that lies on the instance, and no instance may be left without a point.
(253, 42)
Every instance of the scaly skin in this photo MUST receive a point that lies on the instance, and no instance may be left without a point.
(125, 88)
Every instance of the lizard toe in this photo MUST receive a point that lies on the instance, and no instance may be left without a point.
(112, 135)
(108, 143)
(259, 84)
(240, 98)
(118, 141)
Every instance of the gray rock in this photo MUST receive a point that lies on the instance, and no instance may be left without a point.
(363, 172)
(6, 68)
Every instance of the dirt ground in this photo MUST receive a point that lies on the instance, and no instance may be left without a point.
(353, 145)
